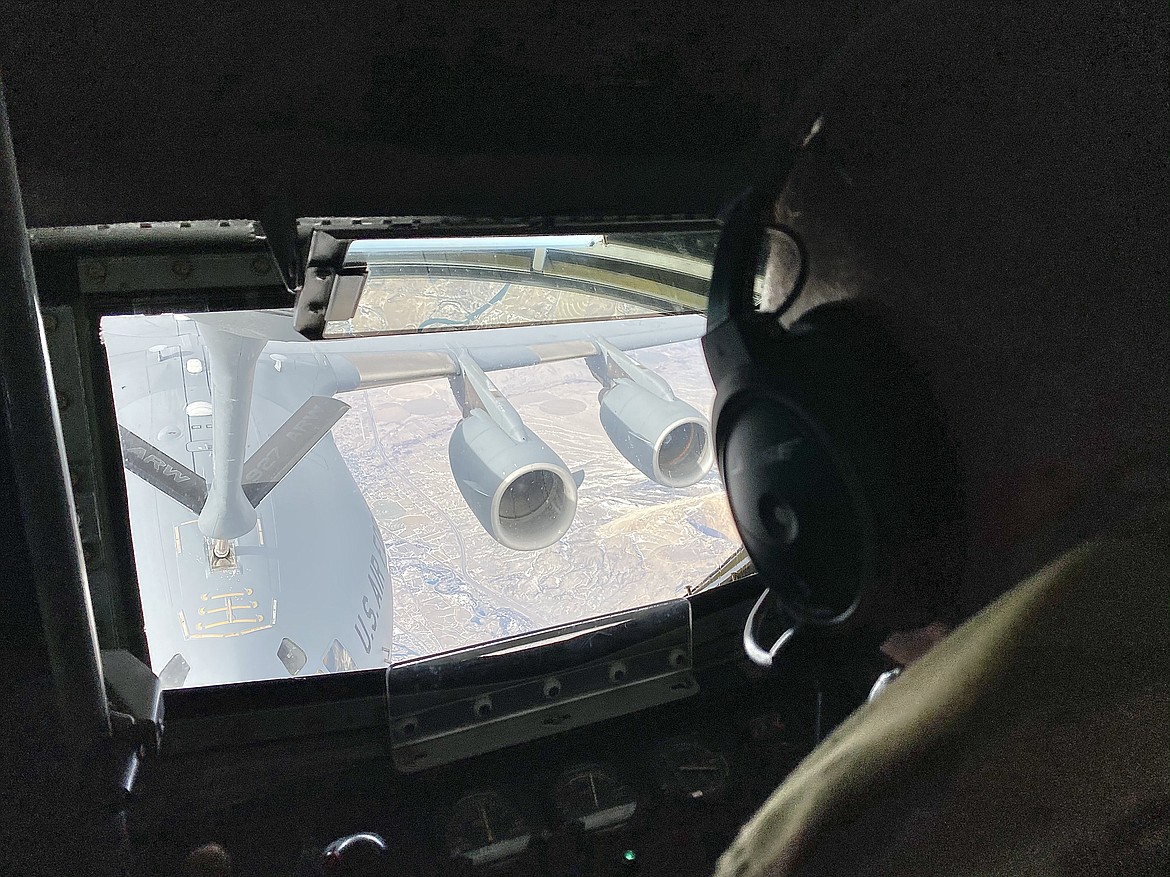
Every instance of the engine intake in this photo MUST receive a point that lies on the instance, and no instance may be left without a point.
(520, 490)
(664, 438)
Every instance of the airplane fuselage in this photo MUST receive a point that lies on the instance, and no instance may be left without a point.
(311, 573)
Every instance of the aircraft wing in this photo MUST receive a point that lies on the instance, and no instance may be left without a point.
(398, 359)
(324, 368)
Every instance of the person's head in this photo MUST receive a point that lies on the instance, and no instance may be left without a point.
(997, 179)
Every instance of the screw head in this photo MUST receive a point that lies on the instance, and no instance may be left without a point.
(408, 727)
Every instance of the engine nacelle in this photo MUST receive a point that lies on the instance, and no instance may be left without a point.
(664, 438)
(520, 490)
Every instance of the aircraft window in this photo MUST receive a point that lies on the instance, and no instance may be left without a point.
(174, 673)
(337, 659)
(374, 499)
(420, 285)
(292, 656)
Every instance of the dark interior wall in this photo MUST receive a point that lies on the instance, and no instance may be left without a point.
(494, 108)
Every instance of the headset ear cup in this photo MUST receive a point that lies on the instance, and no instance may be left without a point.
(798, 506)
(877, 406)
(870, 477)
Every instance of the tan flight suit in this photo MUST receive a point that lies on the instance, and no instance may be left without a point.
(1035, 739)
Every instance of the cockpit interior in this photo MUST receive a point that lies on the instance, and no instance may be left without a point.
(365, 513)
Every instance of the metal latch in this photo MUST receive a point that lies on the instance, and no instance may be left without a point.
(136, 710)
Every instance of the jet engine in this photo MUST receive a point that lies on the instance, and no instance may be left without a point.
(520, 490)
(662, 436)
(665, 439)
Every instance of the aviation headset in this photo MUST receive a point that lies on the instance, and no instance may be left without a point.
(838, 471)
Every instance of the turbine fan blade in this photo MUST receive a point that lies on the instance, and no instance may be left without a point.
(289, 444)
(162, 472)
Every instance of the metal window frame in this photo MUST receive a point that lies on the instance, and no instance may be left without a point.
(278, 709)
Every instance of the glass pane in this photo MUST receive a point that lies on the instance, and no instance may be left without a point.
(372, 499)
(430, 284)
(337, 659)
(292, 656)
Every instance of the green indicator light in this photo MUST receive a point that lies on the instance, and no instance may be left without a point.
(629, 855)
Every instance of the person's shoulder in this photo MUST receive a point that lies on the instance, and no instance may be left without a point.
(1004, 698)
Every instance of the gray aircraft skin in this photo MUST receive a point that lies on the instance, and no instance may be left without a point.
(257, 555)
